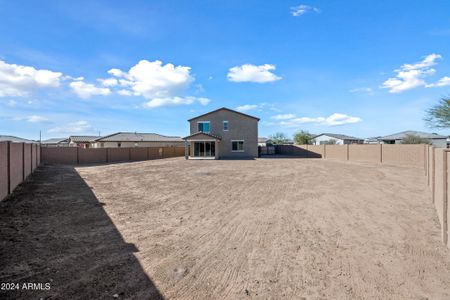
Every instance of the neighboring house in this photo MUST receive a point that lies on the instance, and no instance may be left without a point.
(373, 140)
(340, 139)
(136, 139)
(263, 142)
(435, 139)
(55, 142)
(223, 133)
(82, 141)
(14, 139)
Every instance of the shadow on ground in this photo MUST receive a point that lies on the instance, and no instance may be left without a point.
(54, 231)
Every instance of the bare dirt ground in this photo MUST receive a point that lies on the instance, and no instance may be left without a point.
(268, 229)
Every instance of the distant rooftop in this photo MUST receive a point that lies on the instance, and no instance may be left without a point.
(138, 137)
(403, 134)
(263, 140)
(83, 138)
(340, 136)
(14, 139)
(55, 141)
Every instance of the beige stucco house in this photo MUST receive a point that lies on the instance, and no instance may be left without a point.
(222, 133)
(136, 139)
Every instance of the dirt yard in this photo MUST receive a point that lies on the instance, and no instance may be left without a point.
(268, 229)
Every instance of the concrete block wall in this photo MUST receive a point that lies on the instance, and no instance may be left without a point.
(438, 181)
(137, 154)
(75, 155)
(339, 152)
(59, 155)
(398, 155)
(16, 165)
(404, 155)
(17, 162)
(4, 166)
(368, 153)
(27, 159)
(92, 156)
(433, 162)
(317, 149)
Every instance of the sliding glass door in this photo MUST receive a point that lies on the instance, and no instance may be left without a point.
(204, 149)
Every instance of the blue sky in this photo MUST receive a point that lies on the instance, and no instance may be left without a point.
(363, 68)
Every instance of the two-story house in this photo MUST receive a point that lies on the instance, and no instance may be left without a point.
(223, 133)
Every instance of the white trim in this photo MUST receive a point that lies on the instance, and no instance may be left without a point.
(202, 140)
(209, 122)
(243, 143)
(223, 125)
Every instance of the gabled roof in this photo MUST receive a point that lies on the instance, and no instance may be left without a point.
(340, 136)
(223, 108)
(403, 134)
(14, 139)
(83, 138)
(138, 137)
(55, 141)
(263, 140)
(204, 133)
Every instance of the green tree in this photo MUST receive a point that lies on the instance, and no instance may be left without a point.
(414, 139)
(439, 115)
(278, 138)
(303, 138)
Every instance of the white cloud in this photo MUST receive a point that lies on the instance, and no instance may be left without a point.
(252, 73)
(335, 119)
(18, 80)
(366, 90)
(78, 127)
(247, 107)
(32, 119)
(283, 116)
(302, 9)
(108, 82)
(444, 81)
(11, 103)
(124, 93)
(412, 75)
(175, 101)
(152, 79)
(86, 90)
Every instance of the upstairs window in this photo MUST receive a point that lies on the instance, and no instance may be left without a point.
(203, 126)
(237, 146)
(225, 125)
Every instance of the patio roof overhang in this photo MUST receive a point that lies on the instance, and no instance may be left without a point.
(202, 136)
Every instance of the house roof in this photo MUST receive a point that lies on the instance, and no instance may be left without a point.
(14, 139)
(55, 141)
(223, 108)
(403, 134)
(204, 133)
(340, 136)
(83, 138)
(138, 137)
(263, 140)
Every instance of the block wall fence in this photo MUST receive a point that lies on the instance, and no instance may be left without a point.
(17, 161)
(75, 155)
(400, 155)
(433, 162)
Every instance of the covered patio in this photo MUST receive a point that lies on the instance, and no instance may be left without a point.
(202, 145)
